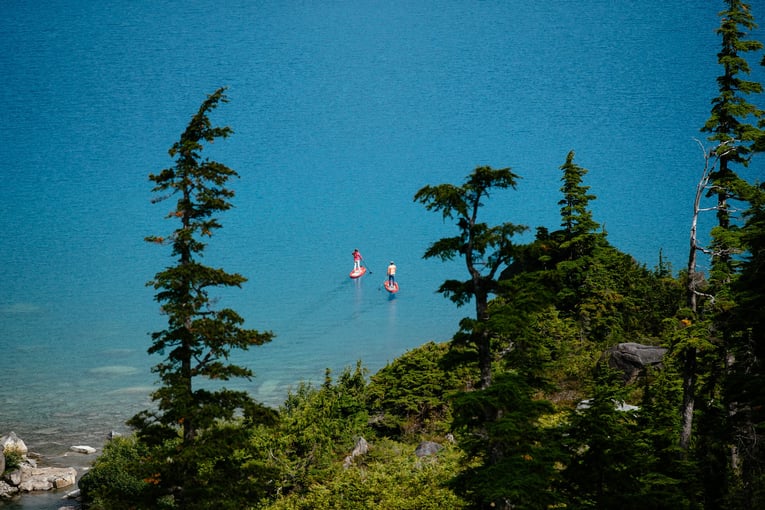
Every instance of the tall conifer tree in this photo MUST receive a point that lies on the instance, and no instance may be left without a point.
(198, 339)
(732, 123)
(576, 219)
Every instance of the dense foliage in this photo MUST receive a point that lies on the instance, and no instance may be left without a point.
(524, 409)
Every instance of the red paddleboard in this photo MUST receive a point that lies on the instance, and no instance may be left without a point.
(391, 288)
(358, 272)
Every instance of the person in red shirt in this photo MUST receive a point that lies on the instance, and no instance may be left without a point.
(356, 260)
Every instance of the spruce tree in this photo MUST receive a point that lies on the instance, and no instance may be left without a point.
(576, 219)
(733, 128)
(511, 460)
(731, 124)
(606, 456)
(198, 339)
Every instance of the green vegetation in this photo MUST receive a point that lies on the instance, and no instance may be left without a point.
(524, 409)
(115, 482)
(13, 458)
(188, 436)
(486, 249)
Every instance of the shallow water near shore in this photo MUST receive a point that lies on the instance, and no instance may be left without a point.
(341, 112)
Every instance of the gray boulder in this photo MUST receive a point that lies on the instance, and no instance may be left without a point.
(427, 449)
(13, 477)
(361, 448)
(632, 358)
(46, 478)
(12, 442)
(7, 490)
(28, 477)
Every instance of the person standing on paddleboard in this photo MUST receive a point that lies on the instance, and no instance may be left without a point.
(357, 260)
(391, 274)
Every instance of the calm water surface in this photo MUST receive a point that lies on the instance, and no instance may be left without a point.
(341, 112)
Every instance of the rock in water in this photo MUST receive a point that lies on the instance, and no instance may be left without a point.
(12, 442)
(83, 449)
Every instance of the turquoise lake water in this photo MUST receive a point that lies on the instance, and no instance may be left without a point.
(341, 112)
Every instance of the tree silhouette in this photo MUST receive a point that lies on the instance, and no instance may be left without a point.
(486, 250)
(198, 339)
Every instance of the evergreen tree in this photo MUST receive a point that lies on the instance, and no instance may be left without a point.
(198, 339)
(571, 250)
(507, 430)
(486, 249)
(410, 396)
(746, 383)
(737, 140)
(750, 288)
(666, 480)
(579, 228)
(607, 457)
(318, 427)
(730, 119)
(511, 459)
(605, 290)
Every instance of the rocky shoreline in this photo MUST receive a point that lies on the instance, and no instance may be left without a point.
(21, 472)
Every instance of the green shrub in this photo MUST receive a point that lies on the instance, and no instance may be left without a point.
(410, 396)
(319, 426)
(115, 481)
(389, 477)
(13, 459)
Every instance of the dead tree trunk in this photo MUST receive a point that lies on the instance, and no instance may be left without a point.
(689, 370)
